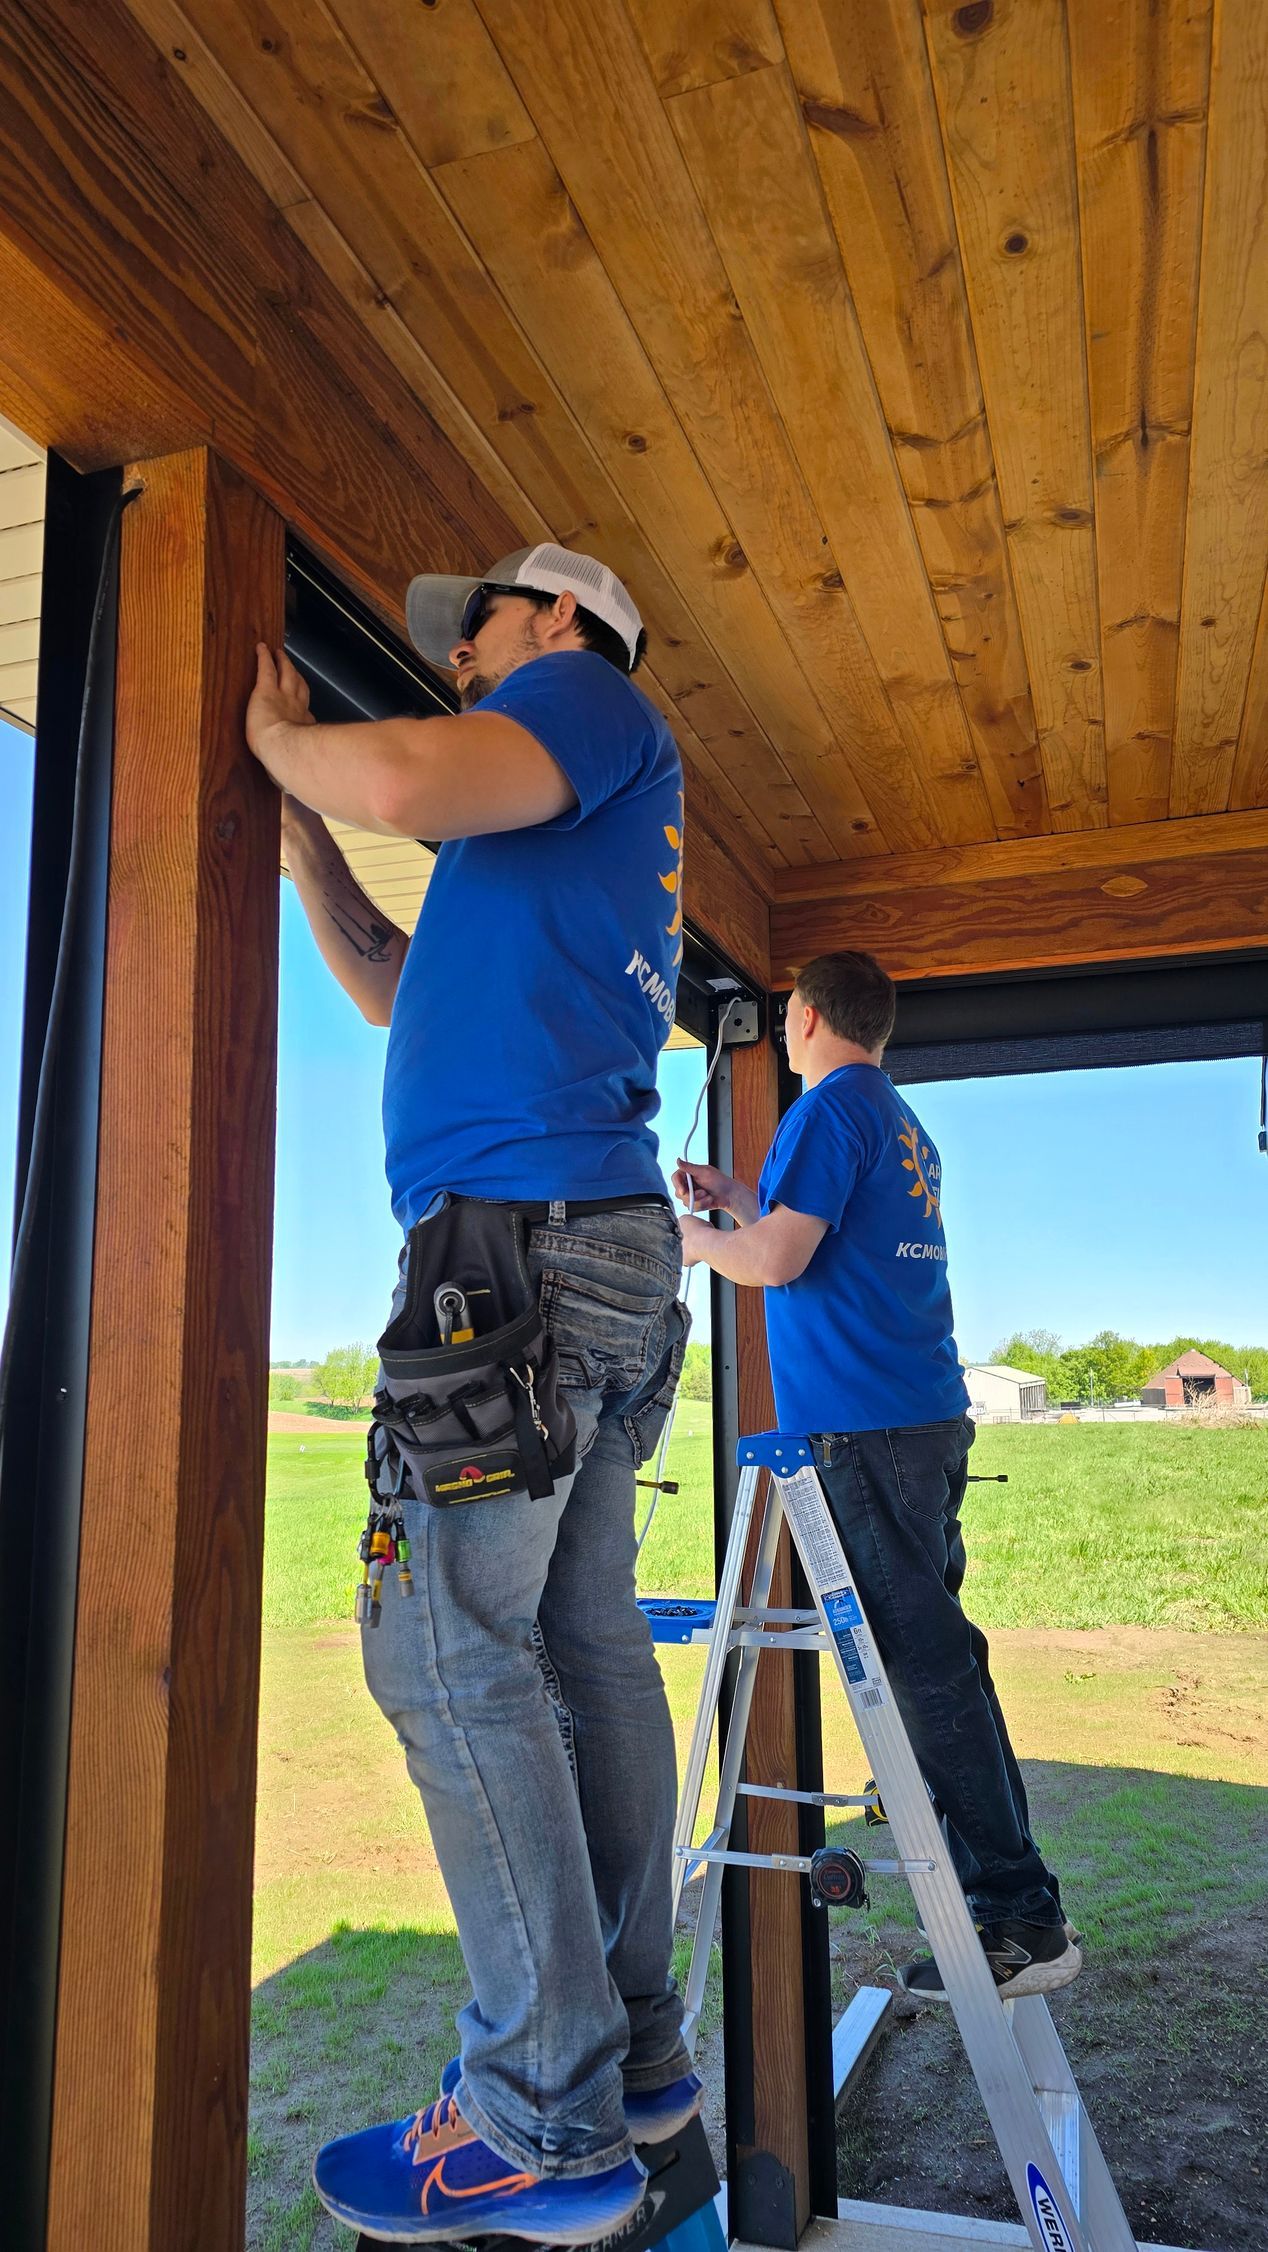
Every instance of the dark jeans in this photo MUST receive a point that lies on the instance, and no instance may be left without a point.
(896, 1497)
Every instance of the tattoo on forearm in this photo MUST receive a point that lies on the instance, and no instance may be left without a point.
(372, 940)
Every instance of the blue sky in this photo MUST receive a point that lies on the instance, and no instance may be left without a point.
(1133, 1200)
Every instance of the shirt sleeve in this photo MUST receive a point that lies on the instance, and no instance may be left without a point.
(595, 725)
(817, 1161)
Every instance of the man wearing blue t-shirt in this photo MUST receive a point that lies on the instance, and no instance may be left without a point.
(845, 1235)
(526, 1017)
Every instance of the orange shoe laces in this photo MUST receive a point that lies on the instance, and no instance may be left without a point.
(443, 2118)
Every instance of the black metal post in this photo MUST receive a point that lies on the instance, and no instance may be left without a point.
(41, 1469)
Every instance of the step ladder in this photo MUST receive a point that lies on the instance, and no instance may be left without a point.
(1054, 2162)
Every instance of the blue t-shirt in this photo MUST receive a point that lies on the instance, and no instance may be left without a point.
(862, 1341)
(539, 986)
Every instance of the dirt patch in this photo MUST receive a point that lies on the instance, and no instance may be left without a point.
(313, 1426)
(1172, 2061)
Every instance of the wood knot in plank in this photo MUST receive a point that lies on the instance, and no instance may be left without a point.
(836, 117)
(968, 23)
(1016, 243)
(636, 442)
(1124, 887)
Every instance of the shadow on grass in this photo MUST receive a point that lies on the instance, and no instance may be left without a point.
(1141, 1854)
(354, 2031)
(1167, 1878)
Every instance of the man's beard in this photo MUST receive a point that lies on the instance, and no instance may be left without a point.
(474, 685)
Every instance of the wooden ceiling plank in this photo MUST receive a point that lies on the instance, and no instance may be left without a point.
(1140, 74)
(517, 212)
(1001, 77)
(862, 77)
(585, 80)
(700, 692)
(397, 220)
(1228, 492)
(745, 146)
(1250, 770)
(439, 72)
(696, 683)
(691, 43)
(1103, 850)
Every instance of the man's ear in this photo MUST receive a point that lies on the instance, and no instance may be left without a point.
(564, 614)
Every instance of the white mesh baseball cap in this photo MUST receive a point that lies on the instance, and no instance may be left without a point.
(435, 607)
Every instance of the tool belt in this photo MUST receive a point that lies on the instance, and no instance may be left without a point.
(470, 1406)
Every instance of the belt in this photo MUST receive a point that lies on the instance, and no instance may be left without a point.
(560, 1209)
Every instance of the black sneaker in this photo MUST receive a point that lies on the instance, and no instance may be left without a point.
(1075, 1937)
(1024, 1959)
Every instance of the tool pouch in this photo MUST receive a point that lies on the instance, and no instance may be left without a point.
(475, 1420)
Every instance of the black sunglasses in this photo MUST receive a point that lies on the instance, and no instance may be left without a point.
(478, 607)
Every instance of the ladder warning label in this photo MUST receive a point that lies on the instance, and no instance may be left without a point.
(846, 1621)
(815, 1534)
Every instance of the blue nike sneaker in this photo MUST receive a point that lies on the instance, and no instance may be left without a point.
(652, 2116)
(431, 2176)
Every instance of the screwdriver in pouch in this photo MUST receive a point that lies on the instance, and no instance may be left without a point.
(453, 1316)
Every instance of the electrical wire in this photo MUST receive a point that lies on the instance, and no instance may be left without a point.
(668, 1431)
(42, 1121)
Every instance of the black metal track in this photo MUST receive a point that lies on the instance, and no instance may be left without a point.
(41, 1471)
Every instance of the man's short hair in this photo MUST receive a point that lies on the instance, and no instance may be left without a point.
(595, 633)
(853, 994)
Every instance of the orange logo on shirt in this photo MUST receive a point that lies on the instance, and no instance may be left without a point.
(923, 1162)
(672, 879)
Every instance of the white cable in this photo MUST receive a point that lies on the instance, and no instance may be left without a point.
(668, 1431)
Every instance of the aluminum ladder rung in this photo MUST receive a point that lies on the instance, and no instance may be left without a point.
(800, 1862)
(777, 1638)
(805, 1798)
(1063, 2187)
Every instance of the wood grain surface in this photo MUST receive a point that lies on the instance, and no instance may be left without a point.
(154, 1993)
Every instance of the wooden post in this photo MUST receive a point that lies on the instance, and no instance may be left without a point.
(771, 2194)
(150, 2096)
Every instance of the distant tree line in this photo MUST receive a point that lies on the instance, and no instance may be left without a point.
(1110, 1367)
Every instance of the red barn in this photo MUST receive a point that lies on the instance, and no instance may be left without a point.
(1193, 1378)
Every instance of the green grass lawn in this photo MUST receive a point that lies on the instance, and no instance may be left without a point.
(1100, 1525)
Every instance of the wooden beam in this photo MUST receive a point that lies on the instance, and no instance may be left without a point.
(1167, 887)
(159, 304)
(154, 1992)
(776, 2101)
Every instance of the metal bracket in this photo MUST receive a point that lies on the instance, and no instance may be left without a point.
(742, 1025)
(780, 1451)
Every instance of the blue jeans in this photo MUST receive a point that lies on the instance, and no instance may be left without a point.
(560, 1883)
(896, 1497)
